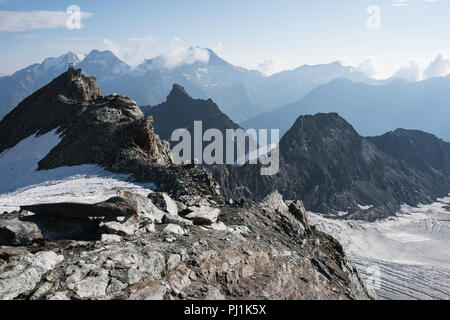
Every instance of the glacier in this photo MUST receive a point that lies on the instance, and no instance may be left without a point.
(409, 251)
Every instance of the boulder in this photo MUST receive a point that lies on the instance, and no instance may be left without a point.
(203, 215)
(164, 202)
(114, 207)
(145, 207)
(153, 291)
(110, 238)
(17, 232)
(175, 229)
(175, 219)
(214, 294)
(298, 210)
(124, 228)
(173, 261)
(275, 201)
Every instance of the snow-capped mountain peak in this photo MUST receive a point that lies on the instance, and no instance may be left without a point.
(60, 62)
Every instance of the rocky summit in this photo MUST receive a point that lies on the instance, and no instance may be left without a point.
(336, 172)
(185, 240)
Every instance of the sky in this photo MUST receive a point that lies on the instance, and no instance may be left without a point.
(409, 38)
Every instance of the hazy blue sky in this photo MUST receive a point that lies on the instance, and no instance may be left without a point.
(268, 34)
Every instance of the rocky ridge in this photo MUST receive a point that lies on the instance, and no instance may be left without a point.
(334, 170)
(262, 250)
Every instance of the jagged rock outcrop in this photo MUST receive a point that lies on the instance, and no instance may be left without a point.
(262, 251)
(324, 162)
(180, 111)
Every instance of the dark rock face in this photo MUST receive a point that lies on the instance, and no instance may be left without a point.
(180, 111)
(420, 150)
(327, 164)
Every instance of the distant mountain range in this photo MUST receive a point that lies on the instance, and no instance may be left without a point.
(373, 110)
(249, 98)
(240, 93)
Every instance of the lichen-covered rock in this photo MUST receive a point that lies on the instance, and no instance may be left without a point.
(20, 277)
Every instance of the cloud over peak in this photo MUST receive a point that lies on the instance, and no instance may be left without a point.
(180, 55)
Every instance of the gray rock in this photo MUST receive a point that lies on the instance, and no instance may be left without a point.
(6, 252)
(146, 208)
(214, 294)
(298, 210)
(120, 228)
(59, 296)
(164, 202)
(21, 276)
(275, 201)
(92, 286)
(155, 291)
(129, 276)
(42, 290)
(175, 229)
(203, 215)
(110, 238)
(173, 261)
(116, 287)
(219, 226)
(175, 219)
(17, 232)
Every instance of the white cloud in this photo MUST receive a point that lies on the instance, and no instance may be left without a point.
(367, 66)
(410, 72)
(218, 48)
(113, 47)
(17, 21)
(134, 55)
(180, 55)
(270, 65)
(438, 67)
(417, 67)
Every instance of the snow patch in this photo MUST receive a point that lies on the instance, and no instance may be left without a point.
(22, 184)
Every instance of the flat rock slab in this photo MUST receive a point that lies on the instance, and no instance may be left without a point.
(203, 215)
(114, 207)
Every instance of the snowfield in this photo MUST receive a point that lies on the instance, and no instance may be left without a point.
(22, 184)
(410, 252)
